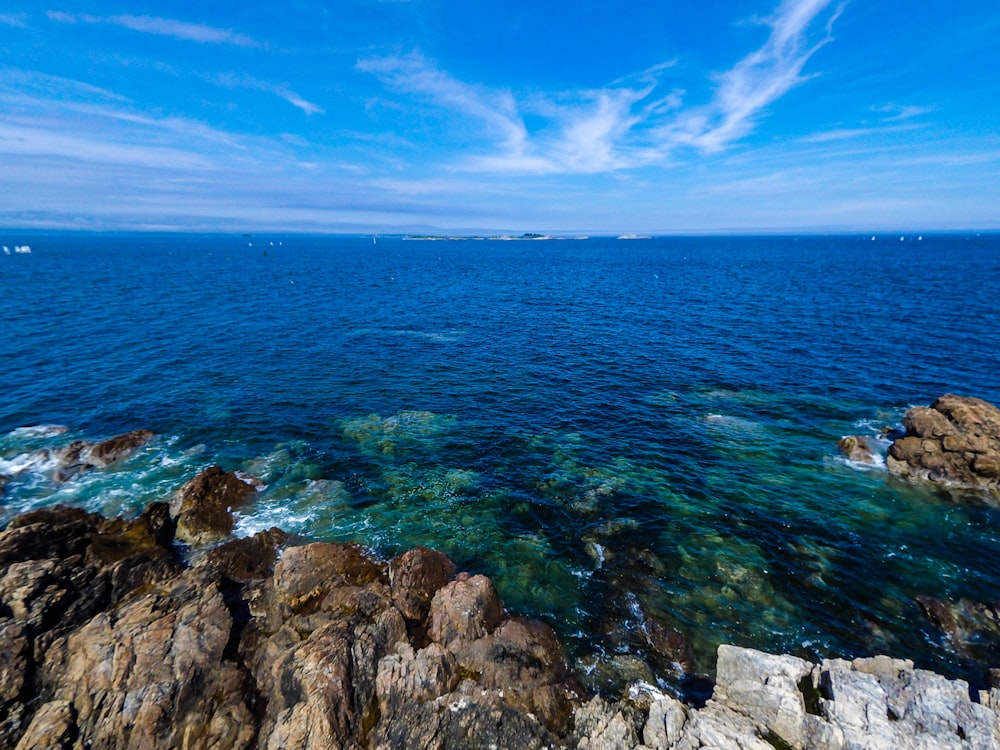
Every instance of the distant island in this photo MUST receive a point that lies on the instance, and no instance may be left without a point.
(512, 237)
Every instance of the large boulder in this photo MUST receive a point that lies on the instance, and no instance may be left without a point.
(954, 443)
(204, 505)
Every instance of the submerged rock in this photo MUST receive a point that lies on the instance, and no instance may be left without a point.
(954, 443)
(971, 629)
(857, 448)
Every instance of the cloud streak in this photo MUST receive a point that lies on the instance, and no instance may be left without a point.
(168, 27)
(631, 123)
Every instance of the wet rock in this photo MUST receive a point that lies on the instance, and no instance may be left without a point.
(857, 448)
(203, 507)
(415, 577)
(81, 455)
(113, 450)
(248, 559)
(954, 443)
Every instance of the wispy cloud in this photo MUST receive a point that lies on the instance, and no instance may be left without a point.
(760, 78)
(17, 20)
(279, 90)
(162, 27)
(414, 74)
(897, 112)
(633, 121)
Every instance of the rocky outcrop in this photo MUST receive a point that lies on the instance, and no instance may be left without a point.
(762, 702)
(954, 443)
(107, 640)
(204, 506)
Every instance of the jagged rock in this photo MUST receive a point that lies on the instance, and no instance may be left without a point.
(603, 726)
(53, 727)
(954, 443)
(857, 448)
(203, 507)
(465, 719)
(524, 660)
(248, 559)
(772, 691)
(464, 610)
(152, 673)
(664, 723)
(51, 532)
(415, 576)
(107, 641)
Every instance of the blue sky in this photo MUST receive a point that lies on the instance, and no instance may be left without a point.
(394, 115)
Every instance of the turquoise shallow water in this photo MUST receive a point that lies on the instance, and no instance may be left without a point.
(619, 432)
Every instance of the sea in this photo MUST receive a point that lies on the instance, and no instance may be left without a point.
(630, 436)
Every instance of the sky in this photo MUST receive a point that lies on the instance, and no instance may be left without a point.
(427, 115)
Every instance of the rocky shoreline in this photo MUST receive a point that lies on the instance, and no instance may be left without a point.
(163, 631)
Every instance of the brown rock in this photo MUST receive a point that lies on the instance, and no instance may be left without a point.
(523, 661)
(971, 628)
(954, 443)
(152, 674)
(15, 651)
(464, 610)
(249, 559)
(205, 504)
(51, 532)
(53, 727)
(113, 450)
(857, 448)
(414, 578)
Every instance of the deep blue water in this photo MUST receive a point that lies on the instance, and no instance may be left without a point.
(615, 430)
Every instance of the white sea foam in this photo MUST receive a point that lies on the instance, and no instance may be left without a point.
(38, 431)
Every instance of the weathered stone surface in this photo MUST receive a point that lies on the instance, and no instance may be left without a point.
(203, 507)
(152, 674)
(248, 559)
(464, 610)
(415, 576)
(53, 727)
(465, 719)
(954, 443)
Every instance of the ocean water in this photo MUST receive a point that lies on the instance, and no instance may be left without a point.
(620, 433)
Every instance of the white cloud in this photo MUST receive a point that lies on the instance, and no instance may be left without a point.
(760, 78)
(17, 20)
(631, 122)
(414, 74)
(162, 27)
(279, 90)
(897, 112)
